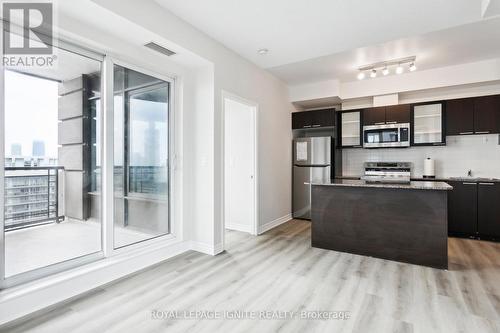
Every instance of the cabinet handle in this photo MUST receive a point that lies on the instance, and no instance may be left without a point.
(307, 183)
(490, 184)
(469, 183)
(306, 126)
(464, 133)
(391, 122)
(316, 126)
(381, 123)
(483, 132)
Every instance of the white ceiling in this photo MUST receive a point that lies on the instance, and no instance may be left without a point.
(297, 30)
(467, 43)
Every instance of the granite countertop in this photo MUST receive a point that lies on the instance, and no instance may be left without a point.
(413, 185)
(439, 179)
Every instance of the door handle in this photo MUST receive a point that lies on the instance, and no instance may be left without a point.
(464, 133)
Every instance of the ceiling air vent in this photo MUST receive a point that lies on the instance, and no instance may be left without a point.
(159, 48)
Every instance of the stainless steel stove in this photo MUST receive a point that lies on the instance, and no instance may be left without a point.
(387, 172)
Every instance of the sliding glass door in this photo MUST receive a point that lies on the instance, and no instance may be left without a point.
(51, 187)
(141, 140)
(51, 216)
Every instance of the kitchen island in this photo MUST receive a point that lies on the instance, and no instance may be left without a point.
(401, 222)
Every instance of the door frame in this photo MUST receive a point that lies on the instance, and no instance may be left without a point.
(255, 108)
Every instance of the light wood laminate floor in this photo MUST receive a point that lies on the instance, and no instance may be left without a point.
(279, 271)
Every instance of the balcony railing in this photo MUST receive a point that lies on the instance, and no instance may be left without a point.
(31, 196)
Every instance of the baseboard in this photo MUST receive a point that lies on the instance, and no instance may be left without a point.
(218, 248)
(239, 227)
(301, 212)
(206, 248)
(273, 224)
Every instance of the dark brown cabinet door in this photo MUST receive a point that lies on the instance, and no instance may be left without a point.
(462, 209)
(374, 116)
(487, 114)
(301, 120)
(460, 116)
(323, 118)
(488, 209)
(396, 114)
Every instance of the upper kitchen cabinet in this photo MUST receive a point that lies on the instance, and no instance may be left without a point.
(386, 115)
(460, 116)
(374, 116)
(428, 124)
(487, 114)
(396, 114)
(301, 120)
(478, 115)
(350, 129)
(313, 119)
(323, 118)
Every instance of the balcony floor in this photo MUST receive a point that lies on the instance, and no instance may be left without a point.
(40, 246)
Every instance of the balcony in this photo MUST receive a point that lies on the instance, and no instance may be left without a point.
(31, 196)
(38, 230)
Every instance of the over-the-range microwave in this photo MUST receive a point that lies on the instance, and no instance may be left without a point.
(386, 136)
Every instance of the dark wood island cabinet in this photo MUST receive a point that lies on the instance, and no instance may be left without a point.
(401, 222)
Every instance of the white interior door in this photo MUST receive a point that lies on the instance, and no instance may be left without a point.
(239, 178)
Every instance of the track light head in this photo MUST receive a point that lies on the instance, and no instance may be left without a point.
(399, 69)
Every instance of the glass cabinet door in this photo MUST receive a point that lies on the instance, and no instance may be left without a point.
(351, 129)
(428, 124)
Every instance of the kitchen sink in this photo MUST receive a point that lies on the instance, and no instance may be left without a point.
(478, 179)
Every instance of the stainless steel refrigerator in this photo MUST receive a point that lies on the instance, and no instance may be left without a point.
(312, 162)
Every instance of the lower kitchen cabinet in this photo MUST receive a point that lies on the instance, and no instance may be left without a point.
(462, 209)
(488, 210)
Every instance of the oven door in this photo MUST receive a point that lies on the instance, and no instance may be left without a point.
(385, 136)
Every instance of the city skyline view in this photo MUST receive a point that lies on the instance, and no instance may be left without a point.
(36, 116)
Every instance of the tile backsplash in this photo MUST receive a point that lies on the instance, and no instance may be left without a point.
(480, 153)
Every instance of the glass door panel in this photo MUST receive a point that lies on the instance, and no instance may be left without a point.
(52, 178)
(428, 123)
(141, 157)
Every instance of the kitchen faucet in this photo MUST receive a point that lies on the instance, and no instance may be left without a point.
(469, 173)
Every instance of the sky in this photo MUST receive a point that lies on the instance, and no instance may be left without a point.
(30, 113)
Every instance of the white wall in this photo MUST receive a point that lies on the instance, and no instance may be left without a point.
(481, 72)
(316, 90)
(238, 76)
(480, 153)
